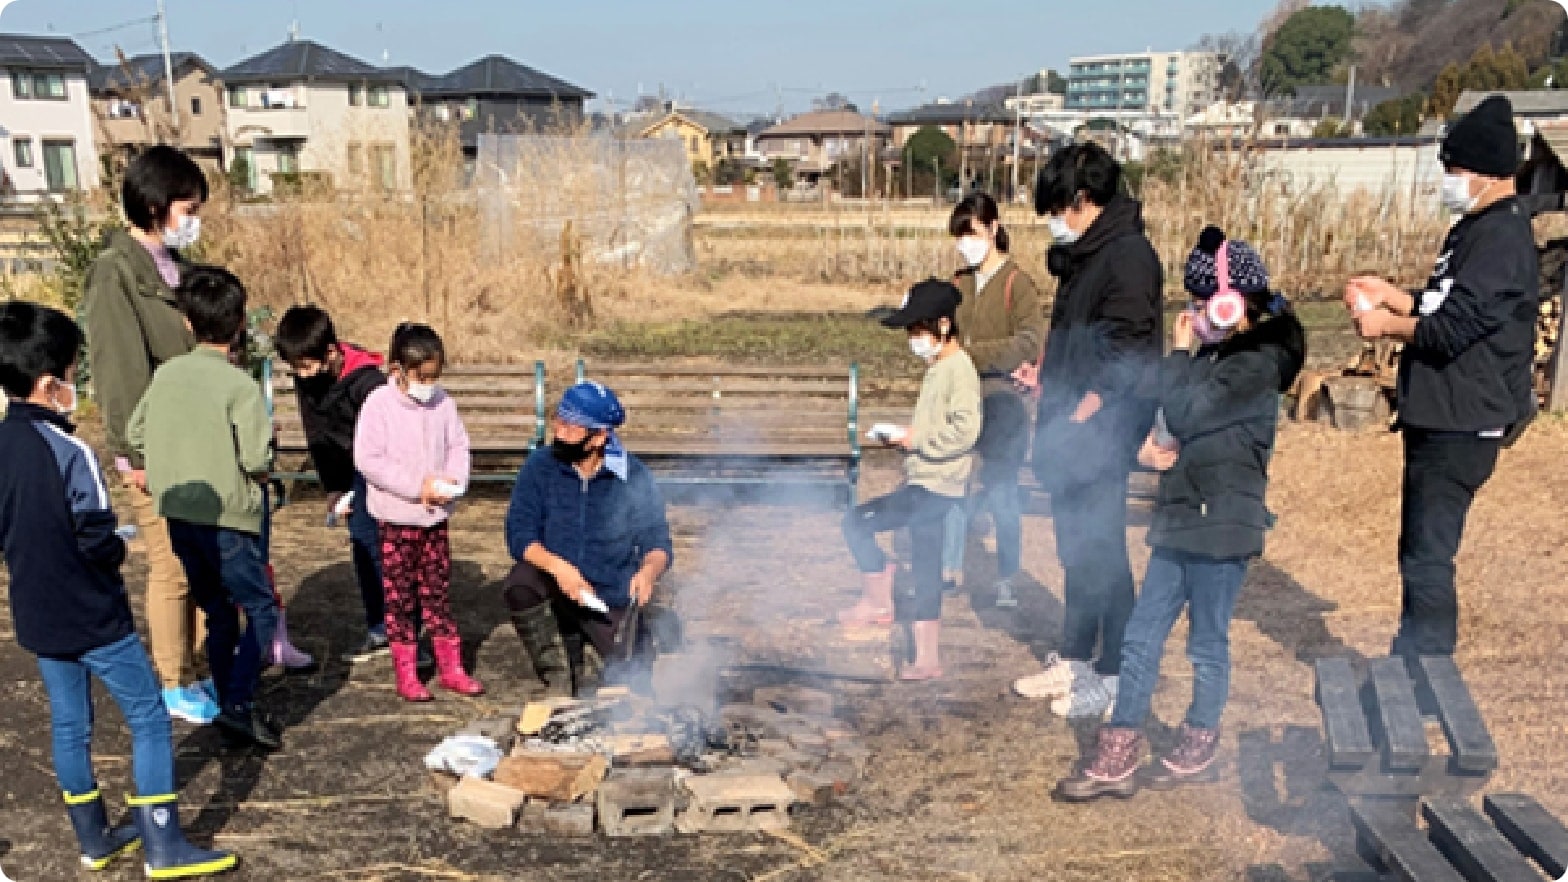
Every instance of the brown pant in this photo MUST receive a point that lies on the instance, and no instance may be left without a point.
(175, 627)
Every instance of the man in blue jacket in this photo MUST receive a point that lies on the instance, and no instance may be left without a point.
(588, 531)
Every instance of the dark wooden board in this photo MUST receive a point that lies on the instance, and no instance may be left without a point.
(1474, 846)
(1345, 728)
(1468, 737)
(1399, 844)
(1404, 734)
(1532, 829)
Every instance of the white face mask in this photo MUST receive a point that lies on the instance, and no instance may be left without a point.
(1456, 194)
(184, 235)
(68, 409)
(974, 250)
(1060, 231)
(924, 348)
(422, 392)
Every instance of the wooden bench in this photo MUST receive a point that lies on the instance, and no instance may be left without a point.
(1376, 737)
(503, 407)
(1515, 841)
(744, 429)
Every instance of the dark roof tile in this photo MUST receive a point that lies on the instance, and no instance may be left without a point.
(499, 75)
(57, 53)
(307, 60)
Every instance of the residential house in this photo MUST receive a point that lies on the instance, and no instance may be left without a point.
(813, 143)
(1394, 169)
(1223, 120)
(1532, 107)
(709, 138)
(45, 117)
(970, 125)
(301, 110)
(1136, 84)
(131, 108)
(1298, 116)
(494, 94)
(1036, 103)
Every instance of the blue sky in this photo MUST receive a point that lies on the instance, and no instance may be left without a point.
(734, 56)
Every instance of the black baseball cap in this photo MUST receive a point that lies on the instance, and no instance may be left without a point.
(926, 302)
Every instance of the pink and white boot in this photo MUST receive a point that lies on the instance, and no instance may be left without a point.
(286, 654)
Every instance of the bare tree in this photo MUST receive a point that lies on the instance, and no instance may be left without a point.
(1239, 70)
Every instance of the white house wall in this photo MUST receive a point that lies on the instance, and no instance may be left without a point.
(1399, 171)
(323, 124)
(47, 120)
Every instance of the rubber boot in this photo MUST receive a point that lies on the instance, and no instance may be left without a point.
(449, 661)
(168, 854)
(286, 654)
(928, 662)
(100, 843)
(875, 609)
(1112, 772)
(541, 637)
(404, 658)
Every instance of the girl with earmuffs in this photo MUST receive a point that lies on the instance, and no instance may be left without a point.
(1234, 353)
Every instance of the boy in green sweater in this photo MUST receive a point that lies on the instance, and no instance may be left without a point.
(938, 458)
(203, 430)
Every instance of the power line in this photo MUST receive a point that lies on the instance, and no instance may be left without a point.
(150, 19)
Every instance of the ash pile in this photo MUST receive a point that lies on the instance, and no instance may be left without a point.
(624, 763)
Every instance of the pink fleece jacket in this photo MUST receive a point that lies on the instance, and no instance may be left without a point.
(398, 443)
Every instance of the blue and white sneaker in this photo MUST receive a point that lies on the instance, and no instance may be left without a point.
(191, 703)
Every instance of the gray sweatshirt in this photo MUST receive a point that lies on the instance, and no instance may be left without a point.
(945, 426)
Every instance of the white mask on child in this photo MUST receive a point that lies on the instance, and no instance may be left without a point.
(184, 235)
(924, 348)
(422, 392)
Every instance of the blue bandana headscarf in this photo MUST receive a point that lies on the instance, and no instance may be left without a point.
(594, 407)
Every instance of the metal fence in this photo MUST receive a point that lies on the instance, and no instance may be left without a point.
(632, 201)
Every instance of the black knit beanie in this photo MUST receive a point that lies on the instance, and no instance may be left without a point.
(1484, 140)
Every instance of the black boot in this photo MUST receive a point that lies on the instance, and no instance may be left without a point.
(169, 855)
(541, 637)
(244, 726)
(100, 843)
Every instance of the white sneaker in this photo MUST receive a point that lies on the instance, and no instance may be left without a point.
(1089, 698)
(1055, 681)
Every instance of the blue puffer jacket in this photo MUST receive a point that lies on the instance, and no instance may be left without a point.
(604, 526)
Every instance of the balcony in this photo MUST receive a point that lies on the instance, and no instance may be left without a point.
(280, 122)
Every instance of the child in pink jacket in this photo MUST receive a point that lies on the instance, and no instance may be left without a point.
(411, 447)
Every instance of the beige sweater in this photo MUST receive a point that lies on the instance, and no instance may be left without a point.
(945, 426)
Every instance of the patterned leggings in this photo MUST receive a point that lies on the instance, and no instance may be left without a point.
(417, 571)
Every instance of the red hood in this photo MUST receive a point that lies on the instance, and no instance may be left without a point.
(355, 358)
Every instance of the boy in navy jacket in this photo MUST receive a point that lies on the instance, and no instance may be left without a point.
(68, 602)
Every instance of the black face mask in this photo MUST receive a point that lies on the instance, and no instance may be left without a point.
(317, 385)
(571, 454)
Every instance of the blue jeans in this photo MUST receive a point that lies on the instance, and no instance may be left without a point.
(227, 574)
(365, 544)
(125, 671)
(1003, 448)
(1208, 588)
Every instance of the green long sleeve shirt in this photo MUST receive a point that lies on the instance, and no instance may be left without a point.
(945, 427)
(204, 432)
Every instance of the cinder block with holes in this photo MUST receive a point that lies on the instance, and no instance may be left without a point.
(736, 803)
(637, 802)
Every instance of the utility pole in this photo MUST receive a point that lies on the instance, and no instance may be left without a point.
(1018, 136)
(1350, 100)
(168, 70)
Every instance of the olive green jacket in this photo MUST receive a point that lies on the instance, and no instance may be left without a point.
(1001, 336)
(132, 326)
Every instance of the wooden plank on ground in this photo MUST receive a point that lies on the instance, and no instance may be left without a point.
(1404, 735)
(1408, 854)
(1344, 719)
(1532, 829)
(1473, 845)
(1468, 737)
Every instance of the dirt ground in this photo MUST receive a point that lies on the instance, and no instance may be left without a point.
(959, 786)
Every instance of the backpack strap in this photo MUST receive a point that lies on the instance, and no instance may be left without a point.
(1007, 294)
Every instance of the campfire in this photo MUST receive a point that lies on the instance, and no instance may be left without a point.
(644, 763)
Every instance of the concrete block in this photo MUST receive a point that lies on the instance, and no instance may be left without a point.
(758, 765)
(558, 777)
(485, 803)
(736, 803)
(794, 699)
(567, 819)
(637, 802)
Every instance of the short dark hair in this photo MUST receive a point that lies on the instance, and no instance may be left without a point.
(414, 345)
(976, 210)
(934, 327)
(35, 341)
(213, 300)
(305, 332)
(159, 177)
(1082, 168)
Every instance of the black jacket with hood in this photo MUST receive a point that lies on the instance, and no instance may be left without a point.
(1222, 405)
(1105, 337)
(330, 412)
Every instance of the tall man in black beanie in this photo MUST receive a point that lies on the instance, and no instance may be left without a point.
(1465, 376)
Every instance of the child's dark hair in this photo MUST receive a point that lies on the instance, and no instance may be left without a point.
(213, 301)
(978, 210)
(305, 332)
(934, 327)
(414, 345)
(35, 341)
(1082, 168)
(159, 177)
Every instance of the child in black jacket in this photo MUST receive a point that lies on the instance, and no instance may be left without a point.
(332, 381)
(63, 550)
(1234, 354)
